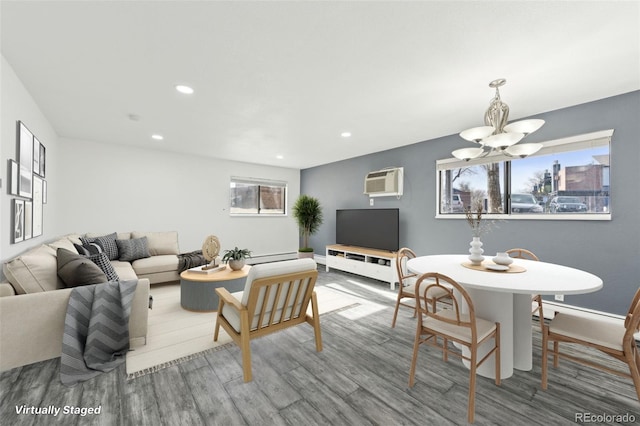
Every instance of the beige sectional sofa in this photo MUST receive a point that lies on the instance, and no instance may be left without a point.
(33, 299)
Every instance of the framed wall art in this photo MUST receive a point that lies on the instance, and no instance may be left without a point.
(38, 184)
(18, 220)
(14, 177)
(28, 220)
(43, 158)
(25, 150)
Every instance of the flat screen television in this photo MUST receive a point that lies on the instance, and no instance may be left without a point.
(370, 228)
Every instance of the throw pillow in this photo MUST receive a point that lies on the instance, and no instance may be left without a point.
(108, 243)
(88, 249)
(134, 249)
(76, 270)
(103, 263)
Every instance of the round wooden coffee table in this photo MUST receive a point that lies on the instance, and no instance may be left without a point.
(197, 290)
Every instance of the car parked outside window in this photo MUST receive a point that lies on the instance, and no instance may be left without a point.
(524, 203)
(564, 204)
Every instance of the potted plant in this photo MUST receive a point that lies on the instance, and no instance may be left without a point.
(308, 214)
(236, 258)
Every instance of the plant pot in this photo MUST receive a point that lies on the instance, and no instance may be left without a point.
(236, 265)
(305, 255)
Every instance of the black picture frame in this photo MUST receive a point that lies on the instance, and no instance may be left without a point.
(13, 169)
(43, 160)
(18, 220)
(38, 186)
(28, 220)
(25, 158)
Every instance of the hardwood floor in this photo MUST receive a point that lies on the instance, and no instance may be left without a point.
(360, 378)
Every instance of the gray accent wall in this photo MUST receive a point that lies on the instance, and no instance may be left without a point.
(609, 249)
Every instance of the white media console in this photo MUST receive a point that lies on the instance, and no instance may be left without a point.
(372, 263)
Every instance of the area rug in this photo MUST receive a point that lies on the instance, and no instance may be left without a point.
(176, 335)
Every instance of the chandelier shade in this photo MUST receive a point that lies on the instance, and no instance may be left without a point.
(476, 134)
(496, 134)
(523, 150)
(467, 154)
(524, 126)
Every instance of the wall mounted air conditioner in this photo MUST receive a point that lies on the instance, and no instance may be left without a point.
(384, 183)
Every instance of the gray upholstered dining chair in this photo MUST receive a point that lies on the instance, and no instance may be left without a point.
(453, 326)
(407, 285)
(614, 339)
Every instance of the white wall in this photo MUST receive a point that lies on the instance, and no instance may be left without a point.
(17, 104)
(97, 187)
(106, 188)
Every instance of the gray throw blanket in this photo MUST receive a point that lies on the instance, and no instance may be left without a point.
(190, 260)
(96, 330)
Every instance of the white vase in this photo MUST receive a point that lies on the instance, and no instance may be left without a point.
(476, 251)
(502, 258)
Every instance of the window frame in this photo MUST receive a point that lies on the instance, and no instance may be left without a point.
(259, 182)
(573, 143)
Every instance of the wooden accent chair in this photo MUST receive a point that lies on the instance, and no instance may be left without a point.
(611, 338)
(452, 325)
(276, 296)
(520, 253)
(407, 284)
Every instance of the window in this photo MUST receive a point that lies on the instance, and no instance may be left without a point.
(250, 196)
(568, 178)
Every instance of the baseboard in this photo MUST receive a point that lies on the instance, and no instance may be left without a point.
(274, 257)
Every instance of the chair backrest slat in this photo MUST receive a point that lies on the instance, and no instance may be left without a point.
(281, 298)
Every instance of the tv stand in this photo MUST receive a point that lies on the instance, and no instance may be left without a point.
(371, 263)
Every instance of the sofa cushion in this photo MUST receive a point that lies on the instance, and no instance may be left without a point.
(133, 249)
(34, 271)
(76, 270)
(107, 242)
(64, 243)
(103, 263)
(124, 270)
(155, 264)
(160, 242)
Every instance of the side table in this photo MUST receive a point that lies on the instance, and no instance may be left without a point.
(197, 290)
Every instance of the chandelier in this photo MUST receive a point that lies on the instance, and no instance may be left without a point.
(496, 134)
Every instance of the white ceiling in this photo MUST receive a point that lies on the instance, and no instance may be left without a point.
(287, 78)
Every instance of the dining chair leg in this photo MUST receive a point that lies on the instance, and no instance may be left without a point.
(545, 355)
(395, 312)
(445, 349)
(634, 368)
(414, 357)
(472, 385)
(556, 357)
(497, 354)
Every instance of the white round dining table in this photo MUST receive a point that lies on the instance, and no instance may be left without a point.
(505, 297)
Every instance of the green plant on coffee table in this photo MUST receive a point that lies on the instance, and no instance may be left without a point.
(236, 254)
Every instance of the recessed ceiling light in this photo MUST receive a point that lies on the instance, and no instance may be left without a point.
(157, 137)
(184, 89)
(279, 157)
(345, 134)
